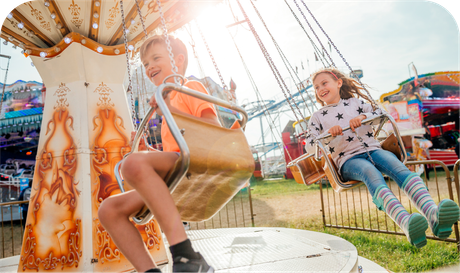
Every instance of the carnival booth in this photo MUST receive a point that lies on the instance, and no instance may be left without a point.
(426, 109)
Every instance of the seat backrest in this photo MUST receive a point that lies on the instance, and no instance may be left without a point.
(221, 163)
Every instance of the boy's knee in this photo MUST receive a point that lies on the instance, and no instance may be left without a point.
(131, 165)
(108, 211)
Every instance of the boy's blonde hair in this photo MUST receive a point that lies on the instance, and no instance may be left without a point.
(350, 87)
(177, 46)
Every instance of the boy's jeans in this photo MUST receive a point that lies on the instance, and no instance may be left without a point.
(361, 168)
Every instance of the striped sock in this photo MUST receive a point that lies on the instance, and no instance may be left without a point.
(387, 201)
(416, 190)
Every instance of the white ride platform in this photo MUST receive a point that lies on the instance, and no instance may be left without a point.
(267, 250)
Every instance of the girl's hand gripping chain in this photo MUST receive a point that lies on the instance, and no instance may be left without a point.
(356, 122)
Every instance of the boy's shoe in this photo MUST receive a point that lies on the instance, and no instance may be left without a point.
(182, 264)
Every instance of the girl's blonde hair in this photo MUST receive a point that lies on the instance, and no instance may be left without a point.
(350, 87)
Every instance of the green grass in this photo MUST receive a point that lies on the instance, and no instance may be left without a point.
(267, 188)
(393, 252)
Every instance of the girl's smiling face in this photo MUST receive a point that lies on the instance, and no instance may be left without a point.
(327, 88)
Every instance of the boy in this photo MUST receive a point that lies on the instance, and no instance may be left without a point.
(145, 171)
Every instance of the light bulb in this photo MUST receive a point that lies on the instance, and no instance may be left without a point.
(83, 41)
(32, 64)
(95, 25)
(9, 16)
(5, 42)
(97, 3)
(130, 47)
(133, 21)
(11, 38)
(22, 51)
(43, 54)
(28, 51)
(117, 51)
(53, 15)
(47, 3)
(21, 25)
(67, 40)
(58, 26)
(31, 34)
(127, 31)
(57, 49)
(99, 49)
(95, 15)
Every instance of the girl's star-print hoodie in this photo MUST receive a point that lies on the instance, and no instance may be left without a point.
(348, 145)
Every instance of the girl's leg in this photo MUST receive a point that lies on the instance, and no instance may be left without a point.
(442, 217)
(413, 225)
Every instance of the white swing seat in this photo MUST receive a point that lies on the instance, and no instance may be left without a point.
(330, 168)
(218, 161)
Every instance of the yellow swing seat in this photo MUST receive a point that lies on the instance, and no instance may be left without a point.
(215, 162)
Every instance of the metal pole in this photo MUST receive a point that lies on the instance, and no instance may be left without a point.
(263, 142)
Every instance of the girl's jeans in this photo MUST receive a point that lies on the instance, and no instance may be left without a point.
(361, 168)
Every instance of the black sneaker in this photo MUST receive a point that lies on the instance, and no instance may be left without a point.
(182, 264)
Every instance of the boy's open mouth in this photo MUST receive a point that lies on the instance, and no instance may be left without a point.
(153, 74)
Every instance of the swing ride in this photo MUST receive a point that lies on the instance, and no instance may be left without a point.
(83, 61)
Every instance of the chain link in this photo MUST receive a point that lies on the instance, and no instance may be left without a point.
(212, 58)
(174, 68)
(315, 48)
(311, 28)
(275, 71)
(130, 86)
(141, 19)
(286, 63)
(374, 104)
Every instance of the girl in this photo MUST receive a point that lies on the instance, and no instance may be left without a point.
(359, 157)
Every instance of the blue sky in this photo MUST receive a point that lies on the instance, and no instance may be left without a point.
(380, 37)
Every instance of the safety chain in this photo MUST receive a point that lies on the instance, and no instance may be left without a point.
(259, 98)
(374, 104)
(212, 57)
(141, 91)
(130, 84)
(174, 68)
(317, 51)
(365, 148)
(311, 28)
(286, 63)
(275, 71)
(140, 18)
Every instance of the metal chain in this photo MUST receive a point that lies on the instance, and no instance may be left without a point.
(212, 57)
(311, 28)
(315, 48)
(365, 148)
(142, 19)
(174, 68)
(260, 99)
(286, 63)
(374, 104)
(142, 95)
(130, 87)
(269, 60)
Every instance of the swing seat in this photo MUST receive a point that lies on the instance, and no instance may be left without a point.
(306, 170)
(218, 162)
(330, 168)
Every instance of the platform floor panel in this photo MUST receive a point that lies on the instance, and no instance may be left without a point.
(273, 250)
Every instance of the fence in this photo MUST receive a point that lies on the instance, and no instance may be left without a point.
(236, 213)
(354, 209)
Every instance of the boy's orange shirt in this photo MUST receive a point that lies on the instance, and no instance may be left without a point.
(187, 104)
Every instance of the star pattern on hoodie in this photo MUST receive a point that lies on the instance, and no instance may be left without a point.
(360, 110)
(324, 112)
(369, 134)
(350, 139)
(341, 154)
(331, 150)
(339, 116)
